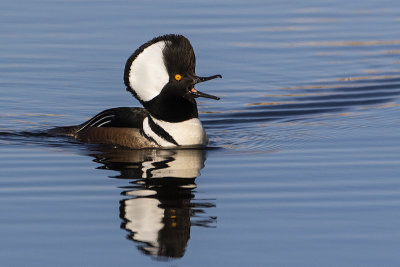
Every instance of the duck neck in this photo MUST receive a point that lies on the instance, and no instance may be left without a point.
(171, 108)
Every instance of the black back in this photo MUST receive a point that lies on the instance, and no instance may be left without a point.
(124, 117)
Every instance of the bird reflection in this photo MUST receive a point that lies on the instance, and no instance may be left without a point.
(159, 205)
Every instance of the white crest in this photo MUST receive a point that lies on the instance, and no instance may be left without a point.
(148, 74)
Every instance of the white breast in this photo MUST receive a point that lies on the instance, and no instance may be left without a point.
(186, 133)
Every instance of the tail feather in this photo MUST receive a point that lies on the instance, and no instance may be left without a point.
(64, 131)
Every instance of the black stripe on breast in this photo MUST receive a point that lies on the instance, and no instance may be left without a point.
(142, 133)
(161, 132)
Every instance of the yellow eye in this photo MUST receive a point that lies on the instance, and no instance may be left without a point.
(178, 77)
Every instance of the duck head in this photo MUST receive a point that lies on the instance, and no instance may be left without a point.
(161, 75)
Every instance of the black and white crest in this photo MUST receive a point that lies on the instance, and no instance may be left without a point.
(161, 75)
(150, 67)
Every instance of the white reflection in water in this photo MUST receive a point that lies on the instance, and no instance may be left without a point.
(160, 205)
(144, 219)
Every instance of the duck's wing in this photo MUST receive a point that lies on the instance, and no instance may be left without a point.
(123, 117)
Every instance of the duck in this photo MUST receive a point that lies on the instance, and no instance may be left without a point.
(161, 75)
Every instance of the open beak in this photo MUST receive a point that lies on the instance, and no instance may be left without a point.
(198, 79)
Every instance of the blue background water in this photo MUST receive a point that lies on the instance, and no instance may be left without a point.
(305, 163)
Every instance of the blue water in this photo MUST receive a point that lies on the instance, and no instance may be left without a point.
(303, 165)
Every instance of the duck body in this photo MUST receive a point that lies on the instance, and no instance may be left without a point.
(136, 128)
(161, 75)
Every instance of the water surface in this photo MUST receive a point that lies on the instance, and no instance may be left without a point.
(303, 164)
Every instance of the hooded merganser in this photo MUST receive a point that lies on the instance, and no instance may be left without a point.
(161, 75)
